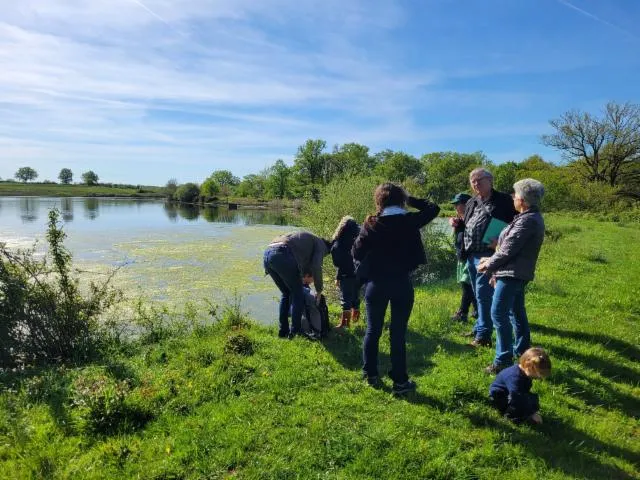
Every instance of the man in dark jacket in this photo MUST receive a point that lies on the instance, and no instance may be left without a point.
(485, 205)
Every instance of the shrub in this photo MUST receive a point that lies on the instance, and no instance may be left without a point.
(239, 344)
(44, 317)
(187, 193)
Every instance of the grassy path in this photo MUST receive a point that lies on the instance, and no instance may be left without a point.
(236, 402)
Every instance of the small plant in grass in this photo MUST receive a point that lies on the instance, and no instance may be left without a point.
(44, 315)
(239, 344)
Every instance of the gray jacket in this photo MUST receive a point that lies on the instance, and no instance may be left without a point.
(518, 247)
(309, 251)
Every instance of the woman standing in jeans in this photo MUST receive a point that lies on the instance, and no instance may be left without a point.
(511, 268)
(389, 248)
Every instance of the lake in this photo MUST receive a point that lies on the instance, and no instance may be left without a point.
(167, 253)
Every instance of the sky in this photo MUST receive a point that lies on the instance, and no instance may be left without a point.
(141, 91)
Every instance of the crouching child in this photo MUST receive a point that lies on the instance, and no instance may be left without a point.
(511, 393)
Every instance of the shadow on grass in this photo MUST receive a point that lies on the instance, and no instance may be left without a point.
(627, 350)
(562, 446)
(346, 348)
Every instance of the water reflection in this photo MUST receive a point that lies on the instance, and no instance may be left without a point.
(224, 215)
(91, 208)
(66, 208)
(29, 209)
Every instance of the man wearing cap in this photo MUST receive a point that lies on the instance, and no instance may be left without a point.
(462, 273)
(486, 205)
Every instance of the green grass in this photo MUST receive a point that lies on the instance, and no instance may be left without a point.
(55, 190)
(236, 402)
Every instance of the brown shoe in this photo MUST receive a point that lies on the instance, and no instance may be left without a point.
(494, 369)
(355, 315)
(478, 342)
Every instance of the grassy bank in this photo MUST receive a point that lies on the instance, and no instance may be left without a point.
(55, 190)
(233, 401)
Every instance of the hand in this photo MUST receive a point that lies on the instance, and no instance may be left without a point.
(318, 297)
(337, 283)
(492, 281)
(536, 418)
(454, 222)
(482, 264)
(493, 244)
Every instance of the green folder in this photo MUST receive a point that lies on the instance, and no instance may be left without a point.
(493, 230)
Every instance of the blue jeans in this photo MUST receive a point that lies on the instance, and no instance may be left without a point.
(281, 265)
(349, 293)
(510, 319)
(483, 327)
(378, 294)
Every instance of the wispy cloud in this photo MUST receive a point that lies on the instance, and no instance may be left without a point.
(601, 20)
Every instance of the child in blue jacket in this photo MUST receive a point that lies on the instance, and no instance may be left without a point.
(346, 279)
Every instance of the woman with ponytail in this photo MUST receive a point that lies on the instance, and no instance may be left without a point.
(391, 245)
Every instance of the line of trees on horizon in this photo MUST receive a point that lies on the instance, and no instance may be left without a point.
(27, 174)
(601, 167)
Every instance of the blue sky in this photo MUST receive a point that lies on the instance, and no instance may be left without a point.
(141, 91)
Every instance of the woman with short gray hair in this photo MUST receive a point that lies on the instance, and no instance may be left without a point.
(511, 268)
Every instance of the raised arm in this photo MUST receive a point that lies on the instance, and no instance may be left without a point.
(427, 211)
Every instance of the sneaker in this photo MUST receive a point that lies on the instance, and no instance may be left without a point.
(474, 314)
(479, 342)
(406, 387)
(283, 333)
(470, 334)
(494, 369)
(373, 382)
(459, 317)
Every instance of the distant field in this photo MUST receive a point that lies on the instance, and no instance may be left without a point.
(54, 190)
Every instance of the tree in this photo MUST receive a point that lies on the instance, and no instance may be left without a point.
(65, 176)
(225, 181)
(606, 148)
(278, 177)
(397, 166)
(310, 166)
(209, 188)
(188, 193)
(253, 186)
(447, 173)
(24, 174)
(90, 177)
(352, 159)
(171, 187)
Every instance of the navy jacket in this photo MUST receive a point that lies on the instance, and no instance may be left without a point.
(392, 245)
(511, 393)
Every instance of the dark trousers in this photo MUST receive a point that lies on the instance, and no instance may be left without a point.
(378, 294)
(281, 265)
(518, 408)
(468, 298)
(349, 293)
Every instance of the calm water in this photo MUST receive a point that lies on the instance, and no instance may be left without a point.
(167, 252)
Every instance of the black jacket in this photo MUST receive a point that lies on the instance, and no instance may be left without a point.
(392, 245)
(341, 250)
(499, 205)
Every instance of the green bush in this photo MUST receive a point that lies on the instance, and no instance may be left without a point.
(187, 193)
(44, 317)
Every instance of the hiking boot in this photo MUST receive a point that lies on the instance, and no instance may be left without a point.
(345, 318)
(459, 317)
(479, 342)
(405, 387)
(283, 333)
(494, 369)
(355, 315)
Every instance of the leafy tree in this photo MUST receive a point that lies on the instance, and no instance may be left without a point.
(225, 181)
(447, 173)
(209, 188)
(65, 176)
(505, 175)
(397, 166)
(90, 177)
(187, 193)
(310, 167)
(24, 174)
(278, 180)
(353, 159)
(253, 186)
(605, 148)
